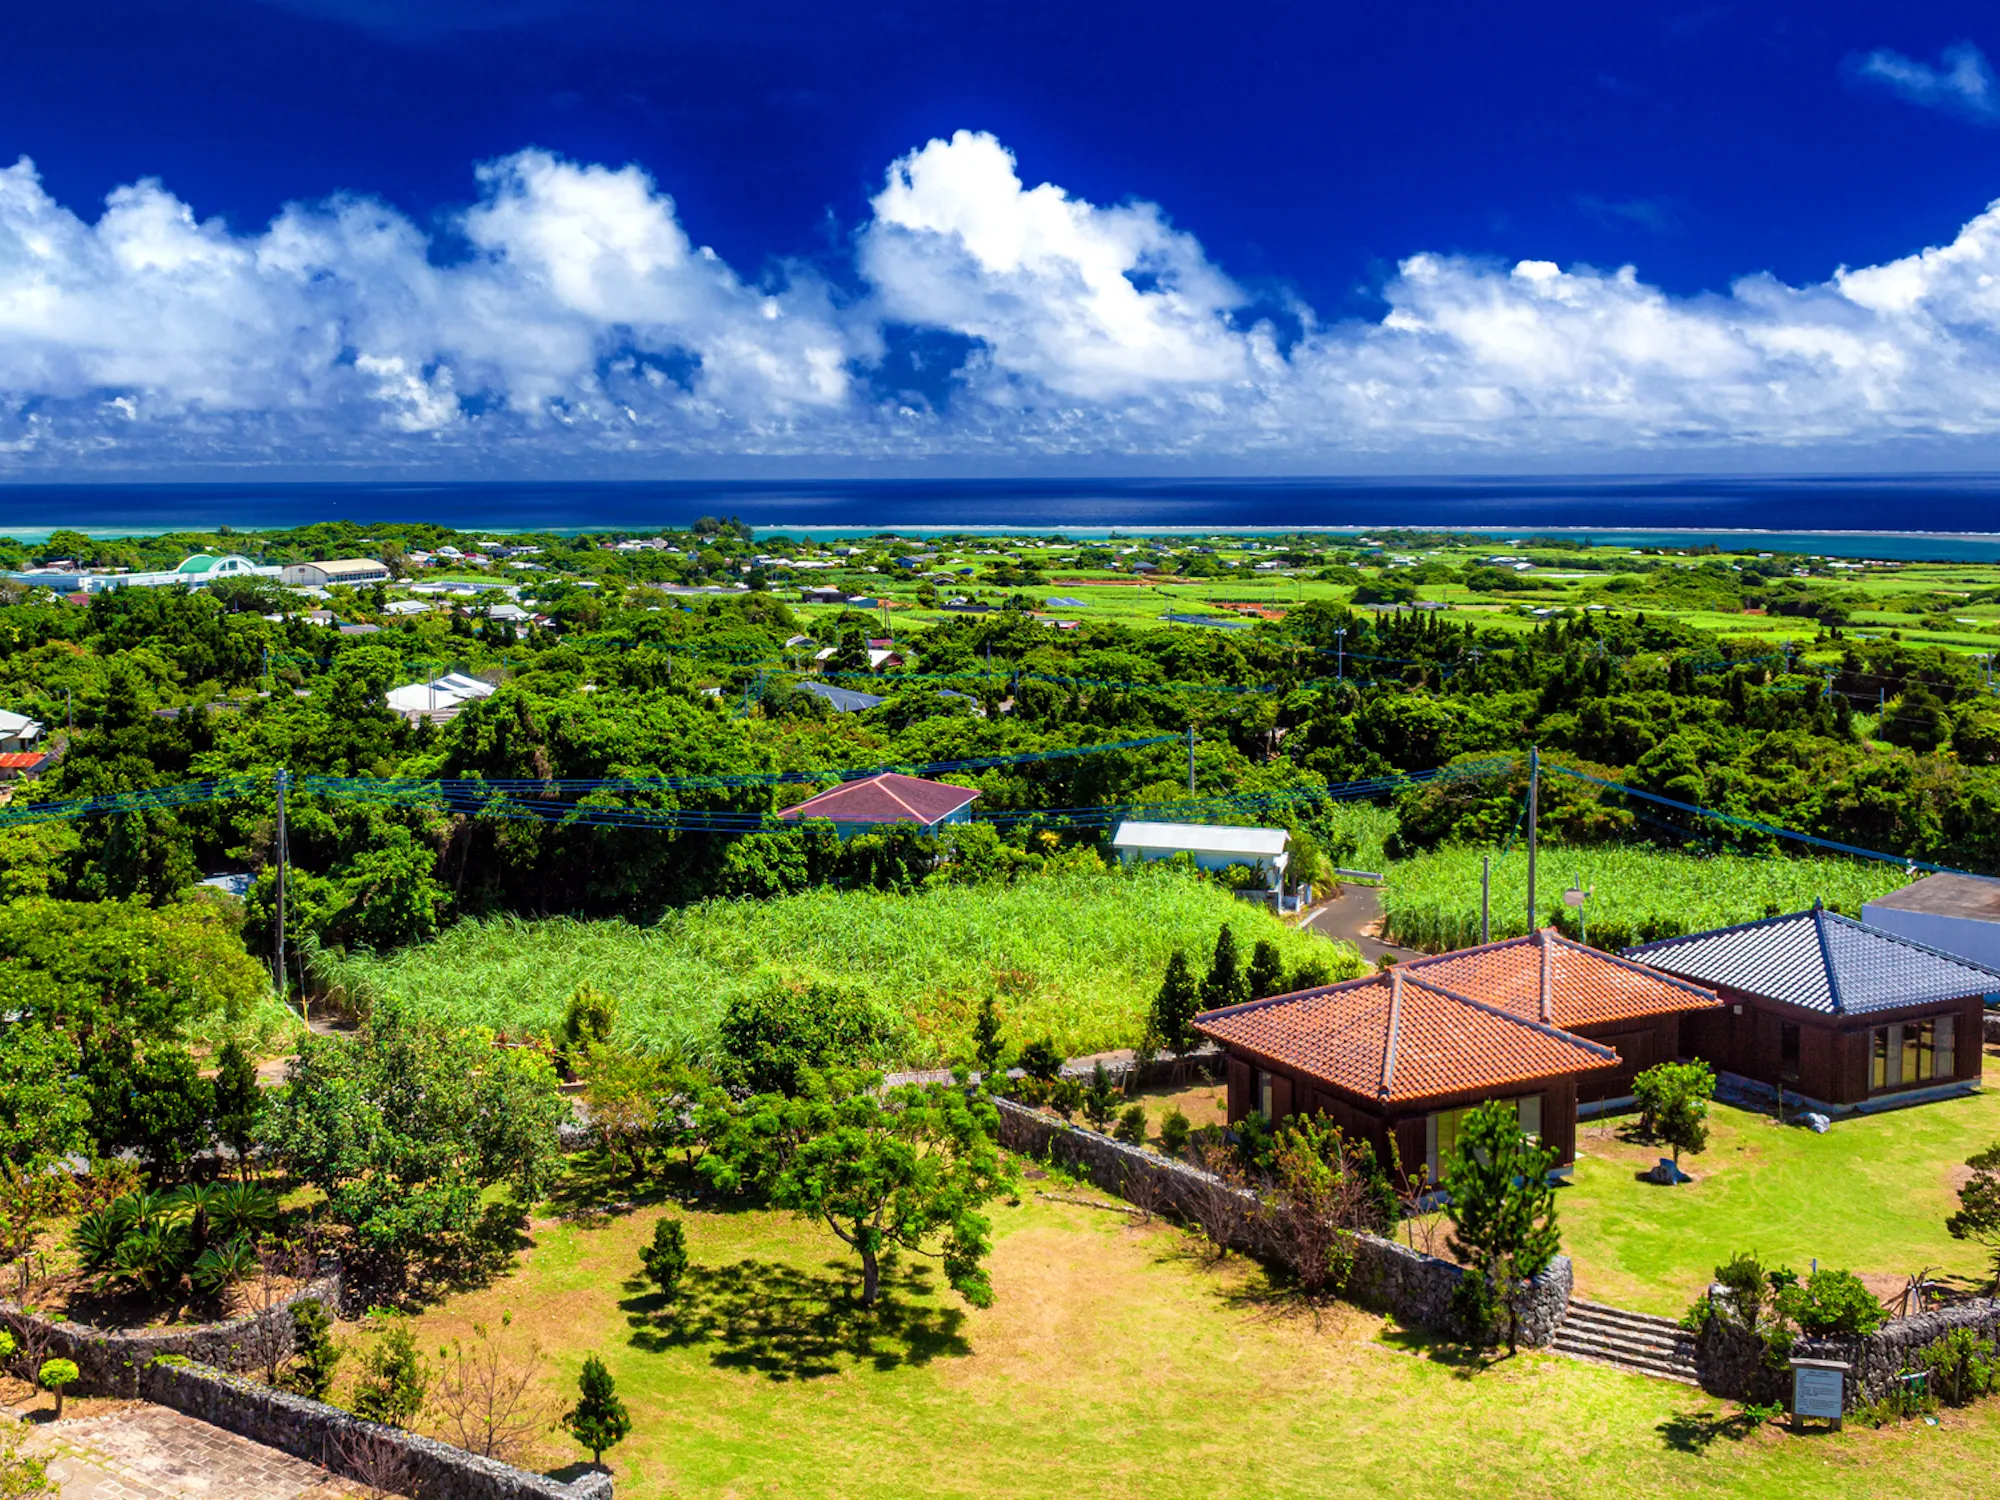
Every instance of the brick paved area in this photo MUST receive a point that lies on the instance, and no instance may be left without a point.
(153, 1453)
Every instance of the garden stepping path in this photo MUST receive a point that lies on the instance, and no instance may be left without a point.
(153, 1453)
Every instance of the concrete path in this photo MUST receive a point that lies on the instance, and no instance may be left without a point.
(1353, 917)
(153, 1453)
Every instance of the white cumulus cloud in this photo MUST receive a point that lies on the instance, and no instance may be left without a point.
(573, 322)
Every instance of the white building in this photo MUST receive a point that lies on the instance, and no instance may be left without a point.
(193, 572)
(1956, 914)
(348, 570)
(18, 731)
(439, 699)
(1212, 846)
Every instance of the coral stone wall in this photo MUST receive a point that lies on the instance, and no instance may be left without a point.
(1389, 1277)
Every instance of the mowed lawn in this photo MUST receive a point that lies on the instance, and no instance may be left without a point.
(1114, 1363)
(1870, 1196)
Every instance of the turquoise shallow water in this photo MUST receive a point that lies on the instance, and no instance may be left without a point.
(1890, 516)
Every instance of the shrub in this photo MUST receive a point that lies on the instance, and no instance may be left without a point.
(394, 1379)
(773, 1037)
(1066, 1097)
(1961, 1366)
(314, 1351)
(1132, 1125)
(220, 1267)
(666, 1259)
(1040, 1060)
(1267, 970)
(1830, 1302)
(1174, 1132)
(1744, 1277)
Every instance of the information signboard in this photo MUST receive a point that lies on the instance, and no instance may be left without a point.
(1817, 1390)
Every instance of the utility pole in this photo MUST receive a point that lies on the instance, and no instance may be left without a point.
(1485, 899)
(1340, 654)
(278, 851)
(1534, 814)
(1190, 760)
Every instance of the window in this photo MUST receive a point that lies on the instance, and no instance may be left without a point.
(1441, 1130)
(1264, 1095)
(1530, 1110)
(1788, 1053)
(1913, 1052)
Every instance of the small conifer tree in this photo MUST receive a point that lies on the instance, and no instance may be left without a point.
(238, 1101)
(1267, 970)
(666, 1259)
(1226, 983)
(1100, 1100)
(598, 1420)
(1176, 1006)
(314, 1349)
(989, 1046)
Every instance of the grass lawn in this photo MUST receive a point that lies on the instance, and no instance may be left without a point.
(1871, 1196)
(1114, 1362)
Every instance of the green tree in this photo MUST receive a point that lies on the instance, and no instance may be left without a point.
(406, 1125)
(773, 1037)
(907, 1167)
(1040, 1060)
(394, 1378)
(1226, 983)
(1673, 1105)
(1267, 970)
(598, 1420)
(1176, 1005)
(1502, 1208)
(42, 1112)
(315, 1353)
(1978, 1215)
(239, 1103)
(1100, 1099)
(22, 1477)
(666, 1259)
(989, 1043)
(589, 1017)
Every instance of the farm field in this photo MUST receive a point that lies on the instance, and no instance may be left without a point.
(1869, 1196)
(1113, 1362)
(1076, 957)
(1432, 900)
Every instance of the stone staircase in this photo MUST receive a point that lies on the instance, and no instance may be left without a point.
(1633, 1341)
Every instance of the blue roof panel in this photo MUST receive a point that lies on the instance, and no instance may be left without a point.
(1822, 961)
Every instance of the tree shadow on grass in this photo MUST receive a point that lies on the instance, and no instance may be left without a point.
(787, 1324)
(1696, 1431)
(1462, 1360)
(596, 1185)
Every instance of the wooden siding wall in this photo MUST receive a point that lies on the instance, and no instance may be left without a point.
(1834, 1053)
(1639, 1044)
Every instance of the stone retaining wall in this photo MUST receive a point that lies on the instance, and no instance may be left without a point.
(108, 1361)
(1731, 1361)
(1389, 1277)
(330, 1437)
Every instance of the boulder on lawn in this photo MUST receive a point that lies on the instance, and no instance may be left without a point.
(1666, 1174)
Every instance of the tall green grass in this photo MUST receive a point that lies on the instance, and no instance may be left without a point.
(1432, 901)
(1075, 956)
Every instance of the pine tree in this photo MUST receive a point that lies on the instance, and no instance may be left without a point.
(989, 1046)
(599, 1419)
(666, 1259)
(1176, 1005)
(1100, 1100)
(1226, 983)
(1502, 1208)
(1267, 970)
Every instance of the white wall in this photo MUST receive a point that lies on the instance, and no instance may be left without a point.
(1963, 936)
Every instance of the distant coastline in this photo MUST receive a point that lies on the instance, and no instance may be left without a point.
(1953, 517)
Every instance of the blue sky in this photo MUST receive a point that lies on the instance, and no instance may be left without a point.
(611, 237)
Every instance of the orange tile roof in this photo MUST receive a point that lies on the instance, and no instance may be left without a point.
(1584, 987)
(1396, 1037)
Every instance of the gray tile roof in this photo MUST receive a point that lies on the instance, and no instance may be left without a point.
(1821, 961)
(842, 700)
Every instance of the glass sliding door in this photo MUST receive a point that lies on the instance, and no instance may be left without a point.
(1913, 1052)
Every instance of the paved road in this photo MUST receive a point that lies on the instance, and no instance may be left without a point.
(1351, 917)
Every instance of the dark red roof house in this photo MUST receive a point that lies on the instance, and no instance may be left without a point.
(889, 797)
(1408, 1054)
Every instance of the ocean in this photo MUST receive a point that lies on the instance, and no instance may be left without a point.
(1953, 517)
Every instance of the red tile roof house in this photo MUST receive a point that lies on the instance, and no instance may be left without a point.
(856, 806)
(1538, 1020)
